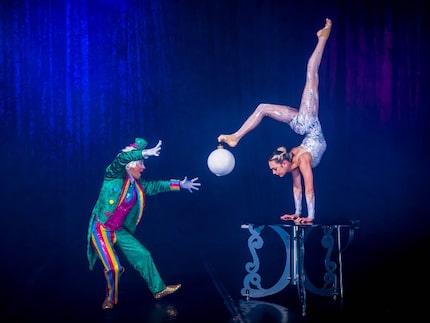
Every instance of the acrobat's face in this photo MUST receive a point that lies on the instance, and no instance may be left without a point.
(137, 170)
(279, 169)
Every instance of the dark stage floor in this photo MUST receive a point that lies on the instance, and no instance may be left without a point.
(206, 296)
(374, 289)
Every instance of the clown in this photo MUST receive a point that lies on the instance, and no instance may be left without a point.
(116, 214)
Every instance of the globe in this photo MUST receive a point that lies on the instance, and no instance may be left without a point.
(221, 161)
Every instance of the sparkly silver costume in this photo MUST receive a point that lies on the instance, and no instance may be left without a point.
(314, 141)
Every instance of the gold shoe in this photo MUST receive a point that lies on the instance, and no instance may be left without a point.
(107, 305)
(170, 289)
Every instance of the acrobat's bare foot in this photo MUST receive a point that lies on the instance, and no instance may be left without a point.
(325, 32)
(230, 140)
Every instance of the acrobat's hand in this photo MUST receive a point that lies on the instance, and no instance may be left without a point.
(292, 217)
(297, 219)
(303, 221)
(146, 153)
(190, 184)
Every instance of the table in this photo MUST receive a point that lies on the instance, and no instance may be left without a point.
(335, 239)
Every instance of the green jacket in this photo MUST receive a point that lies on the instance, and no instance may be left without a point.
(115, 184)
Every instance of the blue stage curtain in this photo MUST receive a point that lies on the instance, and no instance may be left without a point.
(80, 79)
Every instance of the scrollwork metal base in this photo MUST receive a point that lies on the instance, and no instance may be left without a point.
(293, 238)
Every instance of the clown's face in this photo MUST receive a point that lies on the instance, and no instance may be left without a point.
(137, 170)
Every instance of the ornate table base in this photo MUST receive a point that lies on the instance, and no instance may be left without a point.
(293, 238)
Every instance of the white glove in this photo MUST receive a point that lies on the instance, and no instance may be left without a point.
(146, 153)
(190, 185)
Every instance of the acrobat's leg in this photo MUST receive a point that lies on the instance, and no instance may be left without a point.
(310, 101)
(280, 113)
(308, 110)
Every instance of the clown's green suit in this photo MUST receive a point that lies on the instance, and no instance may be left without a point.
(114, 202)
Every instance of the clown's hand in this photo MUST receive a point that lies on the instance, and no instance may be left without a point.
(146, 153)
(190, 184)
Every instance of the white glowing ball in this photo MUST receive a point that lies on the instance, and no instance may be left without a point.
(221, 161)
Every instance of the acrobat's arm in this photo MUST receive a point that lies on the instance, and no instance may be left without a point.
(308, 179)
(297, 193)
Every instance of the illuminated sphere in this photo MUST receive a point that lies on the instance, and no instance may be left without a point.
(221, 161)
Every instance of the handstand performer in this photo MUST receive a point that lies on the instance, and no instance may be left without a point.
(304, 121)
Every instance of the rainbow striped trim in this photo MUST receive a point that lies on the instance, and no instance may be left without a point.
(175, 185)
